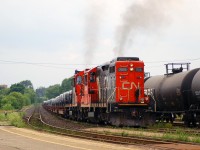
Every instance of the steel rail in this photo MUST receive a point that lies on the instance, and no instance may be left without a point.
(104, 137)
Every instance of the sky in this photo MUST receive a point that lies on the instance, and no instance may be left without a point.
(45, 41)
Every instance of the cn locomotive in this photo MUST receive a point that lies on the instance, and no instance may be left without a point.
(177, 93)
(112, 93)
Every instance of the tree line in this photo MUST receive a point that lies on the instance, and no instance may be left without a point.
(23, 94)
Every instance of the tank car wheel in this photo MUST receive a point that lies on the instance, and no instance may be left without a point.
(194, 123)
(171, 121)
(187, 123)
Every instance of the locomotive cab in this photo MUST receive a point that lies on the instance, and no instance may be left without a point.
(90, 94)
(78, 87)
(126, 81)
(126, 101)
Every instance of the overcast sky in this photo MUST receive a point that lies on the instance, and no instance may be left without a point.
(46, 40)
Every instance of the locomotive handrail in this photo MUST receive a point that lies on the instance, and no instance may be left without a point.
(109, 98)
(111, 95)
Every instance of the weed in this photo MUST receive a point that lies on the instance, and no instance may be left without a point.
(168, 125)
(168, 136)
(124, 133)
(182, 137)
(107, 132)
(162, 125)
(2, 117)
(196, 139)
(16, 119)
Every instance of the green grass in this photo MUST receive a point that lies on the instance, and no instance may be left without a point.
(2, 117)
(107, 132)
(13, 118)
(124, 133)
(162, 125)
(196, 139)
(181, 136)
(16, 119)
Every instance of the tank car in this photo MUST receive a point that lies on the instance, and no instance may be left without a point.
(174, 93)
(195, 100)
(57, 105)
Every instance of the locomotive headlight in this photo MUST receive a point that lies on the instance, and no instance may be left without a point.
(131, 69)
(121, 99)
(142, 100)
(131, 65)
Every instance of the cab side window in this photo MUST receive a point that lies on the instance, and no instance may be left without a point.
(79, 80)
(92, 77)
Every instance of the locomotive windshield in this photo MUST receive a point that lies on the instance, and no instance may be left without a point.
(122, 69)
(139, 69)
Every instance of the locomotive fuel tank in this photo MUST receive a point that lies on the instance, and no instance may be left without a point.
(172, 91)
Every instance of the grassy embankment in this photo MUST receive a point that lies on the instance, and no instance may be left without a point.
(15, 119)
(179, 135)
(12, 118)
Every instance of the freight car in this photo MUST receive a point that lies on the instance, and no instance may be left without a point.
(176, 93)
(112, 93)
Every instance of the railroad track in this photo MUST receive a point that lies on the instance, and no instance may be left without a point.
(37, 117)
(177, 128)
(186, 131)
(79, 133)
(159, 130)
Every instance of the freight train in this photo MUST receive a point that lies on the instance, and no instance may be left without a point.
(117, 93)
(176, 93)
(111, 93)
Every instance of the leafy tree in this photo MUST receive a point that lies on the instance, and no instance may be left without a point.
(27, 84)
(66, 85)
(17, 96)
(3, 93)
(20, 100)
(7, 107)
(17, 88)
(15, 99)
(40, 92)
(27, 100)
(53, 91)
(40, 99)
(30, 94)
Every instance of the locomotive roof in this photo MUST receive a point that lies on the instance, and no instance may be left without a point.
(126, 59)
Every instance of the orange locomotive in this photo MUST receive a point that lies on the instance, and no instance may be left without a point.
(111, 93)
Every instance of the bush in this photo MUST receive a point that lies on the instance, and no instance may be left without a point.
(2, 117)
(7, 107)
(16, 119)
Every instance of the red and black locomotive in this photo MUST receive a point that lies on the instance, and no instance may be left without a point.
(111, 93)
